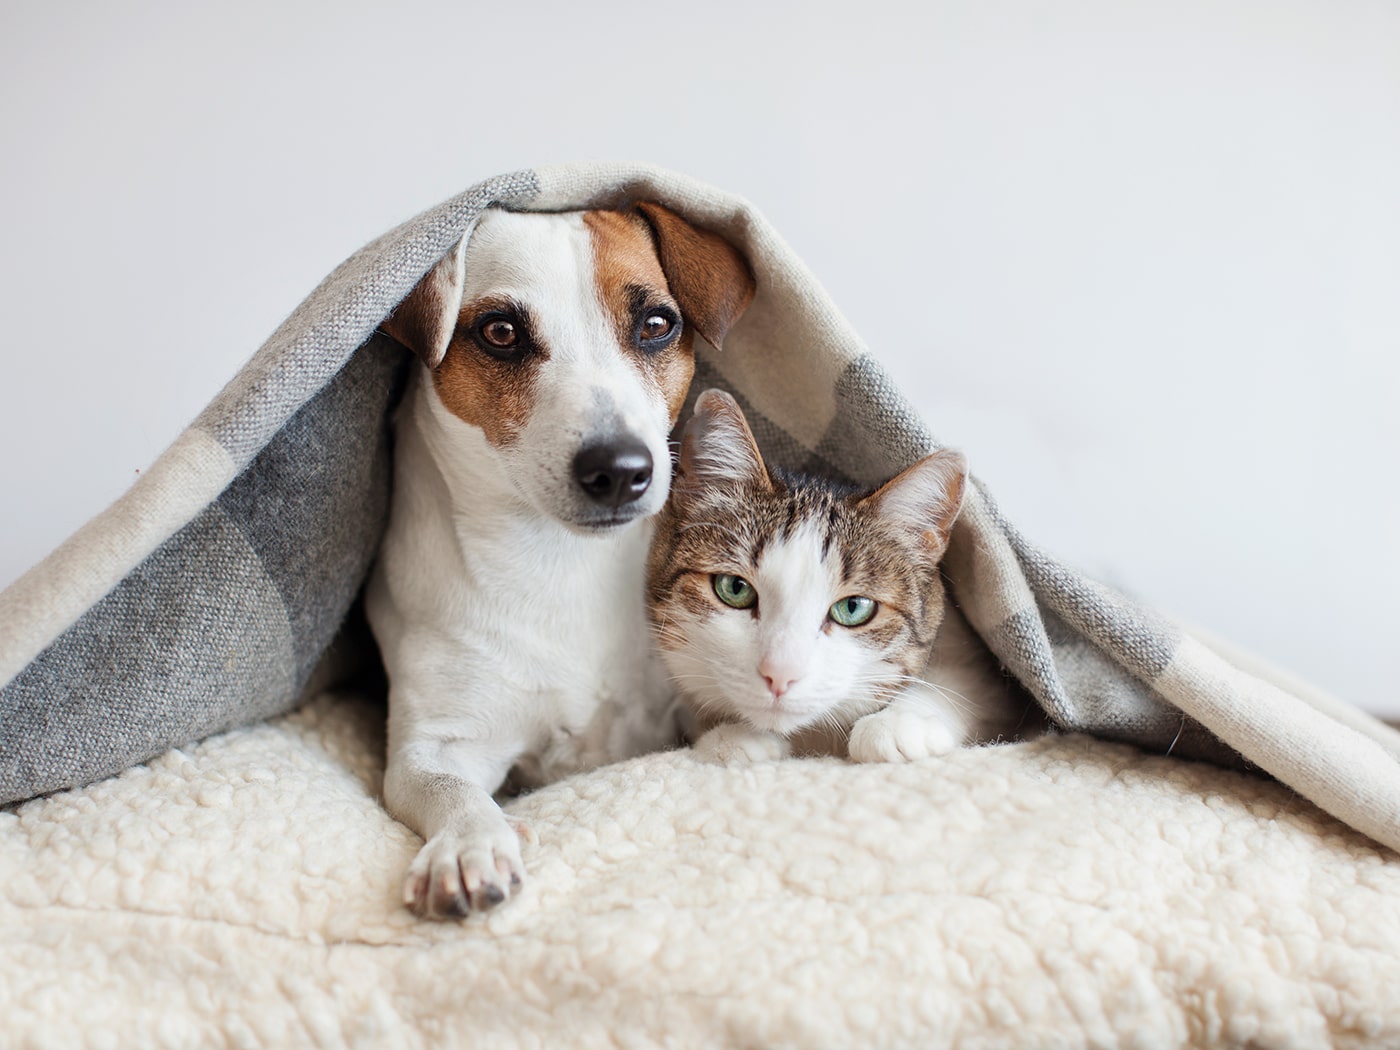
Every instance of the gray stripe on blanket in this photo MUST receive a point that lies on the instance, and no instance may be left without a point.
(1137, 637)
(779, 448)
(1140, 639)
(334, 320)
(1021, 644)
(1086, 691)
(874, 433)
(314, 502)
(223, 624)
(1113, 704)
(151, 665)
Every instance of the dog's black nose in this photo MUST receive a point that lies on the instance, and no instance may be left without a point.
(614, 472)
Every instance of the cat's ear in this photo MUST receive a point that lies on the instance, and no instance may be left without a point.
(718, 448)
(926, 497)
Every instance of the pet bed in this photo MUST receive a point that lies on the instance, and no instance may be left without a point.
(1060, 893)
(1069, 891)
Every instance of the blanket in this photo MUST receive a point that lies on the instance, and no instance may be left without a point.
(1065, 892)
(209, 594)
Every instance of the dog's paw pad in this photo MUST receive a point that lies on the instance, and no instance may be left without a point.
(899, 736)
(731, 745)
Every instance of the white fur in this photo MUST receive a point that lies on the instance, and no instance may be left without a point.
(723, 662)
(729, 658)
(586, 391)
(731, 743)
(512, 636)
(917, 724)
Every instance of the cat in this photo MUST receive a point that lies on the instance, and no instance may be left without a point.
(797, 616)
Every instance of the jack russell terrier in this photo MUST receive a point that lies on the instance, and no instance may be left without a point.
(531, 449)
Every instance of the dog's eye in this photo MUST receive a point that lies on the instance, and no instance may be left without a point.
(656, 328)
(500, 333)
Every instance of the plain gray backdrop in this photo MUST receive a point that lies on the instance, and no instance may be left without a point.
(1141, 261)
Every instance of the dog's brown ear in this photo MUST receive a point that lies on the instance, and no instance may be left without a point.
(709, 278)
(425, 320)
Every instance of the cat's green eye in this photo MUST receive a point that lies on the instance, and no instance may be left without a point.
(735, 591)
(853, 611)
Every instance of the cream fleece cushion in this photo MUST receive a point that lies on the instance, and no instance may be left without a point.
(1064, 892)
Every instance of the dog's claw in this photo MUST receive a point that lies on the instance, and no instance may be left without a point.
(456, 907)
(415, 888)
(523, 830)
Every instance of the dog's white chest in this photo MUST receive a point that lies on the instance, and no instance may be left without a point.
(540, 641)
(591, 689)
(508, 598)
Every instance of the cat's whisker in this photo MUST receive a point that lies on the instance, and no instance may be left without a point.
(713, 679)
(669, 634)
(887, 680)
(779, 536)
(952, 698)
(698, 676)
(704, 705)
(945, 690)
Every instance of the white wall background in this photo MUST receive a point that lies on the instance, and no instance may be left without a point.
(1141, 260)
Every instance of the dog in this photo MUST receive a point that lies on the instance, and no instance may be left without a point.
(531, 449)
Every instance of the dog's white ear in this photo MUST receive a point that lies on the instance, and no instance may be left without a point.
(926, 497)
(425, 320)
(718, 448)
(709, 278)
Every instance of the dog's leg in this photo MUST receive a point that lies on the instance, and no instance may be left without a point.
(471, 860)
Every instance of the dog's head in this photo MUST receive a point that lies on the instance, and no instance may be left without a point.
(567, 341)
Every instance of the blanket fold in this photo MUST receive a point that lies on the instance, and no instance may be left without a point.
(204, 597)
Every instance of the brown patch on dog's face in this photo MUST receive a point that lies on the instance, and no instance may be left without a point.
(485, 383)
(708, 276)
(633, 290)
(613, 301)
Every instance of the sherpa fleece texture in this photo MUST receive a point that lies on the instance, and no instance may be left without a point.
(1062, 893)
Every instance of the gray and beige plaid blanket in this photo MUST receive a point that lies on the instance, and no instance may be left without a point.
(206, 596)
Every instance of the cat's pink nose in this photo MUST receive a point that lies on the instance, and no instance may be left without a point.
(779, 678)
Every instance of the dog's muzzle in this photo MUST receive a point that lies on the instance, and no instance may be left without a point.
(614, 473)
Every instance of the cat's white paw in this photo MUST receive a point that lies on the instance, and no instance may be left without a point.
(899, 735)
(731, 745)
(456, 874)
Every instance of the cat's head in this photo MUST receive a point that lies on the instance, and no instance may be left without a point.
(785, 601)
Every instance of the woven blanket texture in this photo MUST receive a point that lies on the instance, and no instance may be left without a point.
(205, 597)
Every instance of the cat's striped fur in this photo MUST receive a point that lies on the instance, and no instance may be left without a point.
(783, 669)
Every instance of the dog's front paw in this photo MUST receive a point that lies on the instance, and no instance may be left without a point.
(737, 745)
(456, 873)
(895, 735)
